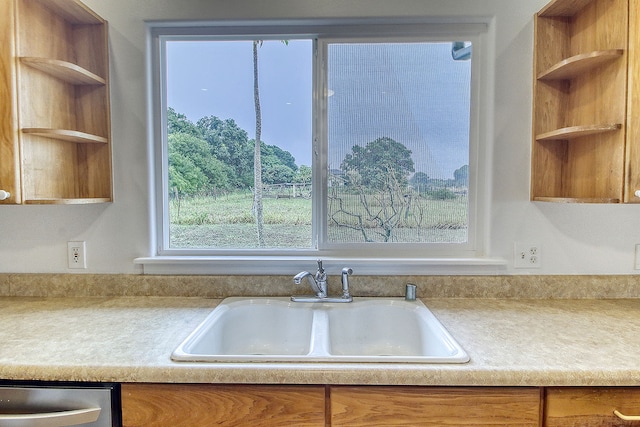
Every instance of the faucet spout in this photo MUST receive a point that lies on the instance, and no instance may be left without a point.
(298, 278)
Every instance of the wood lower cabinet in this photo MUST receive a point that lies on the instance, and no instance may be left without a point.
(592, 406)
(434, 406)
(195, 405)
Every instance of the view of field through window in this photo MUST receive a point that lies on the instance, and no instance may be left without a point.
(397, 130)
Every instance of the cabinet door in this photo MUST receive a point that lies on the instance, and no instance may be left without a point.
(174, 405)
(585, 407)
(434, 406)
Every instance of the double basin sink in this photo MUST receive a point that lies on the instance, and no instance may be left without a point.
(278, 330)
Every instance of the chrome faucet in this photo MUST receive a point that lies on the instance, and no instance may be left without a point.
(318, 284)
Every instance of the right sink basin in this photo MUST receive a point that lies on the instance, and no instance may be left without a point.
(278, 330)
(390, 330)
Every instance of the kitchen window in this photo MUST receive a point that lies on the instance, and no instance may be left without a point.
(369, 137)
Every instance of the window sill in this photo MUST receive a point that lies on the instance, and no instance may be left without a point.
(265, 265)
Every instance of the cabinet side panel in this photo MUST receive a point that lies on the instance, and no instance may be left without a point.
(9, 148)
(162, 405)
(429, 406)
(633, 105)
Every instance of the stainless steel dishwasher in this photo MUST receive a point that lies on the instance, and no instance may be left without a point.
(56, 404)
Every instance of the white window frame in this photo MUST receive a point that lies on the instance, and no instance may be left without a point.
(399, 258)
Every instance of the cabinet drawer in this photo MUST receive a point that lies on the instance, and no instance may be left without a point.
(434, 406)
(175, 405)
(592, 406)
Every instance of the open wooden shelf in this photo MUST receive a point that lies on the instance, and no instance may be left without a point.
(54, 77)
(575, 200)
(85, 201)
(582, 57)
(574, 132)
(563, 7)
(66, 135)
(65, 71)
(73, 12)
(577, 65)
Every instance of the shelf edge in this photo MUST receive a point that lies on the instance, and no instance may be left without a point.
(68, 201)
(573, 132)
(576, 199)
(63, 70)
(563, 8)
(66, 135)
(575, 65)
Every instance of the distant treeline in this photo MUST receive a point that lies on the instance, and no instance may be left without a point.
(213, 156)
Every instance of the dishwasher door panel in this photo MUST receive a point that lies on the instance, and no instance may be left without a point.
(56, 405)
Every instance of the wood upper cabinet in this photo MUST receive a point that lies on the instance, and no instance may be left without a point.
(434, 406)
(592, 407)
(585, 102)
(55, 141)
(190, 405)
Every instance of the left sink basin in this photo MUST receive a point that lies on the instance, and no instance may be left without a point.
(250, 329)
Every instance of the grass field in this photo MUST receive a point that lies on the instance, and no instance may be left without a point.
(227, 222)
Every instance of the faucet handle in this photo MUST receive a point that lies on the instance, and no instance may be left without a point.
(320, 269)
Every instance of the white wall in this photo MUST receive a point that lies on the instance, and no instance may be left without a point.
(575, 239)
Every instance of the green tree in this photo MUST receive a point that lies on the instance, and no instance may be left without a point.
(461, 175)
(230, 144)
(378, 161)
(420, 181)
(184, 176)
(303, 175)
(192, 163)
(278, 165)
(178, 123)
(280, 156)
(277, 174)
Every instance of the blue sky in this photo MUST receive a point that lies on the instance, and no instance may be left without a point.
(415, 94)
(217, 79)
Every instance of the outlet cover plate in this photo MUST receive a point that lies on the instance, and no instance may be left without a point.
(77, 255)
(527, 255)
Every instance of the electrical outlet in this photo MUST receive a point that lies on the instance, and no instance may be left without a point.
(527, 255)
(77, 254)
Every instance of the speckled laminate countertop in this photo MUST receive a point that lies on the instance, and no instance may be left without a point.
(511, 342)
